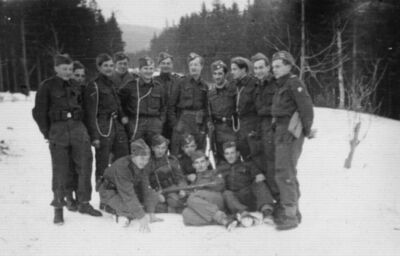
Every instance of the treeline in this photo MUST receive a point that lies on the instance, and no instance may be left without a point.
(32, 31)
(347, 50)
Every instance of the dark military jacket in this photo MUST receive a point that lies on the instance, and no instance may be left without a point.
(187, 94)
(167, 80)
(152, 103)
(165, 172)
(103, 100)
(238, 175)
(186, 164)
(222, 102)
(57, 100)
(130, 183)
(209, 176)
(292, 96)
(264, 94)
(246, 96)
(121, 80)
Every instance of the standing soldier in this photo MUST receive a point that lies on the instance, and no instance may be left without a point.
(167, 79)
(187, 107)
(104, 116)
(121, 75)
(143, 100)
(221, 97)
(264, 94)
(58, 113)
(290, 101)
(247, 123)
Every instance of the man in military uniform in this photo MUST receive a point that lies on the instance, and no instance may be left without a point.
(206, 206)
(121, 75)
(165, 172)
(58, 113)
(264, 94)
(189, 146)
(187, 107)
(291, 97)
(221, 98)
(125, 188)
(245, 187)
(247, 119)
(167, 79)
(143, 100)
(104, 116)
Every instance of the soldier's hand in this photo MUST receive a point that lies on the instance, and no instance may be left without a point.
(182, 193)
(154, 218)
(144, 224)
(161, 198)
(260, 177)
(96, 143)
(125, 120)
(313, 134)
(191, 177)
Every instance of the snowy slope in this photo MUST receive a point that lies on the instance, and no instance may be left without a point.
(346, 212)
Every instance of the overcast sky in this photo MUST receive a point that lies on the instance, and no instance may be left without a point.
(154, 13)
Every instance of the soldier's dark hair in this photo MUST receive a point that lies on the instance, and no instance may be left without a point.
(118, 56)
(286, 62)
(77, 65)
(241, 63)
(60, 59)
(101, 58)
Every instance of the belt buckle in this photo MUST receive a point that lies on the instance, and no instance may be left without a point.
(69, 115)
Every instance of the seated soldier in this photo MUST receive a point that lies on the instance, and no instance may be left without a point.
(165, 173)
(189, 145)
(205, 206)
(245, 187)
(125, 188)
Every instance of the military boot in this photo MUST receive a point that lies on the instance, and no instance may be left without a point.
(86, 208)
(58, 216)
(71, 204)
(287, 223)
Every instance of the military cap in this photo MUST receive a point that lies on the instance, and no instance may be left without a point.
(164, 55)
(259, 56)
(60, 59)
(241, 62)
(158, 139)
(77, 65)
(229, 144)
(145, 61)
(197, 154)
(118, 56)
(139, 148)
(218, 65)
(187, 139)
(193, 56)
(283, 55)
(101, 58)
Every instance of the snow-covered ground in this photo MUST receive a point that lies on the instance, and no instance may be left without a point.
(345, 212)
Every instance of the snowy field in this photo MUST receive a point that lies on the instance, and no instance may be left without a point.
(345, 212)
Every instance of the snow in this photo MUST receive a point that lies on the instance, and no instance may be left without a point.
(345, 212)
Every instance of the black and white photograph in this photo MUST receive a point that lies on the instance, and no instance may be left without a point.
(199, 127)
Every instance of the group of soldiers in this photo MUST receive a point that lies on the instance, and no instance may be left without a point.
(150, 134)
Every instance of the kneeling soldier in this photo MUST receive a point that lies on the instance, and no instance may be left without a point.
(246, 190)
(125, 188)
(165, 173)
(205, 206)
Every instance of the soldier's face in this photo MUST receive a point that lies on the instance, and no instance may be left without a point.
(64, 71)
(236, 72)
(147, 72)
(79, 75)
(260, 69)
(280, 69)
(231, 155)
(195, 67)
(160, 150)
(121, 66)
(141, 161)
(166, 65)
(200, 164)
(219, 76)
(189, 148)
(106, 68)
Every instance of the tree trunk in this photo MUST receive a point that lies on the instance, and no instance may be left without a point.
(24, 58)
(353, 144)
(7, 76)
(340, 69)
(1, 74)
(14, 81)
(354, 55)
(303, 41)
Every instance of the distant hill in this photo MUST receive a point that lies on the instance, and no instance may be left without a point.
(137, 37)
